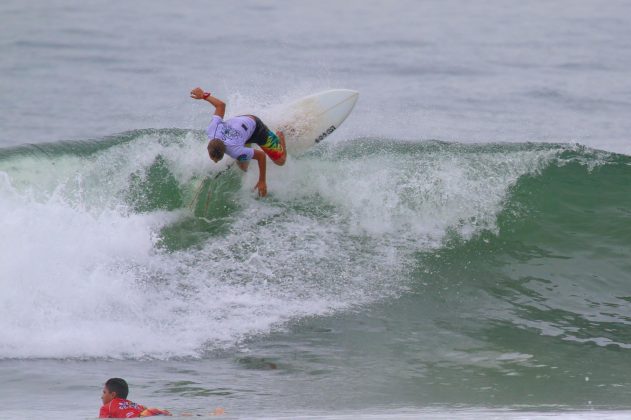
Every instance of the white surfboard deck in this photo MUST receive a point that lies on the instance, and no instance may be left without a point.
(308, 121)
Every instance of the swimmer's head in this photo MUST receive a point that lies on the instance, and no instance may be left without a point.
(216, 150)
(114, 388)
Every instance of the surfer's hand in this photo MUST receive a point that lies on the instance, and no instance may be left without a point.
(261, 186)
(197, 93)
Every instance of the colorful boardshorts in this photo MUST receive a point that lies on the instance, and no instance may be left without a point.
(267, 140)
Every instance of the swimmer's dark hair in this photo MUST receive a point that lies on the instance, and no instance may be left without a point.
(216, 149)
(119, 386)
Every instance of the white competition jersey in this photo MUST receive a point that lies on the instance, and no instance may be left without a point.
(235, 133)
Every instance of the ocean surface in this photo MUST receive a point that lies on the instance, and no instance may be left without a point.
(459, 248)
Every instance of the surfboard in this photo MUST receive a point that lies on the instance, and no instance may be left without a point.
(312, 119)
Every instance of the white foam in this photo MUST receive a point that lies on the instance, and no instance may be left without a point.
(82, 275)
(84, 278)
(413, 198)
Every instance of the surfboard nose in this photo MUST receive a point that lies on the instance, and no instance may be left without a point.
(344, 99)
(348, 100)
(353, 95)
(342, 93)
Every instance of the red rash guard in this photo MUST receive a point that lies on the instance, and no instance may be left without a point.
(119, 408)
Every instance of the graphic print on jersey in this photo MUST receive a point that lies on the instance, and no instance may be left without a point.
(228, 132)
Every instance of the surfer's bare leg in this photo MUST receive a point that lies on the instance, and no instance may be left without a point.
(282, 159)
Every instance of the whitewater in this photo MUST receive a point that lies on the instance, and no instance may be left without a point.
(459, 248)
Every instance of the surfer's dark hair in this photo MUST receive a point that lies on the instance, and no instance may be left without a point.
(118, 385)
(216, 149)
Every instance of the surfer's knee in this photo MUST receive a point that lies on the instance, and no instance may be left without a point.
(281, 136)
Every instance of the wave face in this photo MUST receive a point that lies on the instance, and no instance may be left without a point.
(132, 247)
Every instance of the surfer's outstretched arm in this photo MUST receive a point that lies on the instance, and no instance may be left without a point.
(220, 106)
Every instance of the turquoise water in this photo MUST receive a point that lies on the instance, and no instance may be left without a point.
(459, 248)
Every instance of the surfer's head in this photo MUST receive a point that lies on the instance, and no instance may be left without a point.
(216, 150)
(115, 388)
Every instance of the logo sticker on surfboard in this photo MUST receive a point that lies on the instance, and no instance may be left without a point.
(325, 134)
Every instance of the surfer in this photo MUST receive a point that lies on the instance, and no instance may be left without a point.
(234, 137)
(117, 406)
